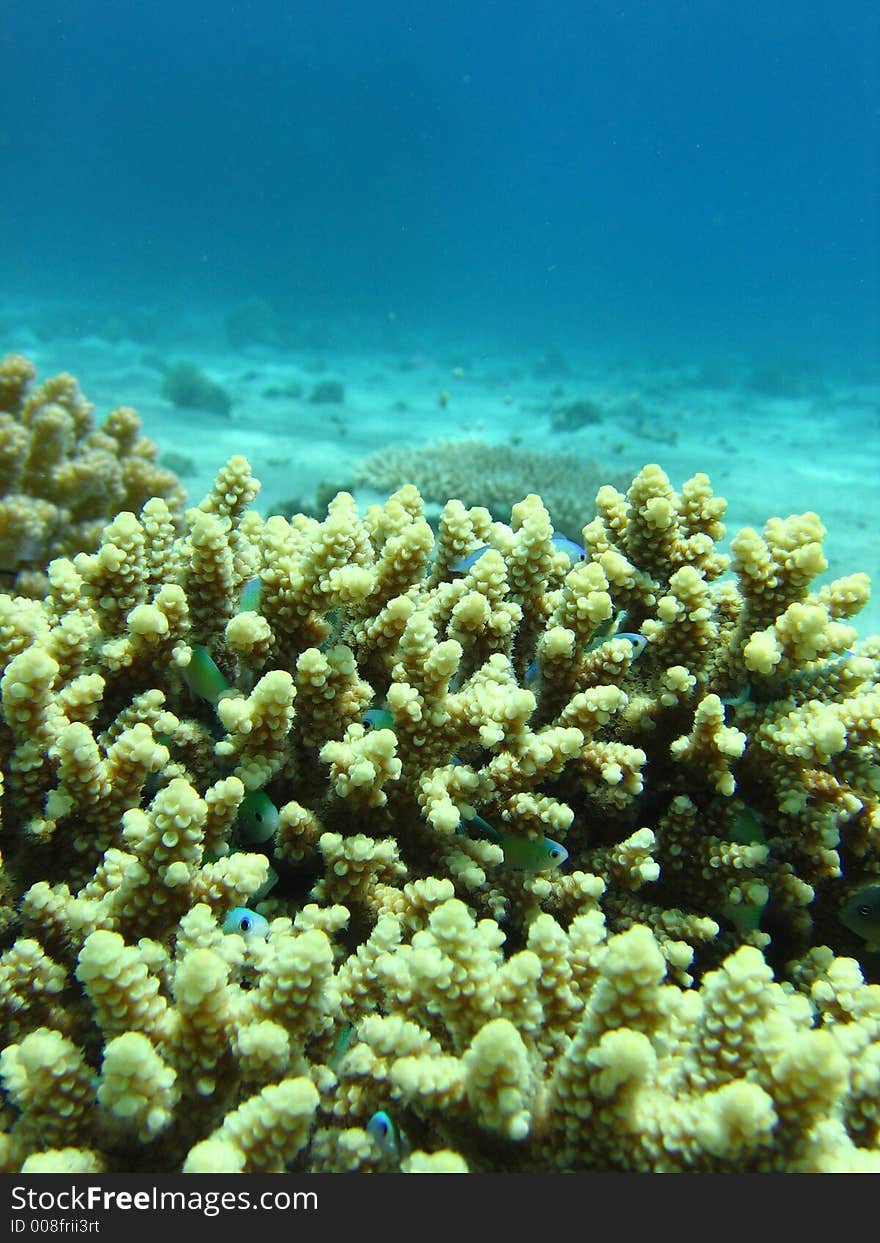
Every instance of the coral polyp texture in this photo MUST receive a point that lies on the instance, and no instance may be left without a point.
(331, 846)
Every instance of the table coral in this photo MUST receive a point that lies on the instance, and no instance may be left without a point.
(679, 995)
(485, 474)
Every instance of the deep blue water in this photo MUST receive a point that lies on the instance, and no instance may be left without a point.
(657, 172)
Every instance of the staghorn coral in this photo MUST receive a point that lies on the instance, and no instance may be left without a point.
(680, 996)
(61, 477)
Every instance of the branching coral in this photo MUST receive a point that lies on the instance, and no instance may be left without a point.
(679, 995)
(61, 478)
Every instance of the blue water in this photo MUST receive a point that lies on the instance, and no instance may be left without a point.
(653, 172)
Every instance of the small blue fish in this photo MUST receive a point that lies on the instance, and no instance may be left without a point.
(383, 1133)
(378, 718)
(638, 641)
(575, 551)
(249, 600)
(599, 636)
(246, 923)
(461, 565)
(257, 818)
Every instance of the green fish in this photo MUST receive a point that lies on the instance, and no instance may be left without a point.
(203, 677)
(601, 633)
(861, 914)
(527, 854)
(524, 854)
(249, 600)
(340, 1046)
(257, 818)
(747, 827)
(745, 918)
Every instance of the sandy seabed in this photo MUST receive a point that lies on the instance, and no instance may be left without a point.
(773, 440)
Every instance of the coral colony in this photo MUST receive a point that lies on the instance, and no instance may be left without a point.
(329, 846)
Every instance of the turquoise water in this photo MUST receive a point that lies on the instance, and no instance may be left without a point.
(655, 175)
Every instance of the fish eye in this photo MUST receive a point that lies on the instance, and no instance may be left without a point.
(244, 924)
(258, 816)
(382, 1126)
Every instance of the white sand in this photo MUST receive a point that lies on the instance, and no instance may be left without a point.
(767, 455)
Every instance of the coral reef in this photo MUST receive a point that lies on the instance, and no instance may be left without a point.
(700, 731)
(490, 475)
(61, 477)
